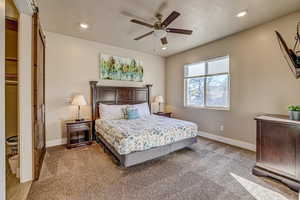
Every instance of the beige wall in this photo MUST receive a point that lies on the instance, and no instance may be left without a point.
(71, 63)
(261, 80)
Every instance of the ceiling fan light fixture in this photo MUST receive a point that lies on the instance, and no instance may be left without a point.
(242, 13)
(164, 47)
(159, 33)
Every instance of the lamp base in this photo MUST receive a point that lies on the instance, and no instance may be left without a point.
(79, 120)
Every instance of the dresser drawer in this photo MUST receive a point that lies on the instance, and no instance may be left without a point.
(79, 127)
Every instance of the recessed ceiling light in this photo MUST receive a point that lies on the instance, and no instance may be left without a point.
(242, 13)
(84, 25)
(164, 47)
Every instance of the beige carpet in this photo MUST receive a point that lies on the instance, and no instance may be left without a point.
(206, 171)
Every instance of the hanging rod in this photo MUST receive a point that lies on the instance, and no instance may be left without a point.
(8, 82)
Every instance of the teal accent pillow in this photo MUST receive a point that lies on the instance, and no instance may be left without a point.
(132, 113)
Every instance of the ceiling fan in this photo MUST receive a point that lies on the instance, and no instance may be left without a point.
(160, 28)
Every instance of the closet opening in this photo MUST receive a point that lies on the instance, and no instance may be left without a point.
(11, 103)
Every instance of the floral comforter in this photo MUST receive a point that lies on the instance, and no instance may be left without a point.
(127, 136)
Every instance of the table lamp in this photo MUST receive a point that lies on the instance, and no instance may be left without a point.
(159, 100)
(79, 100)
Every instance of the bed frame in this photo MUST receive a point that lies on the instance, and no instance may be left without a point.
(128, 95)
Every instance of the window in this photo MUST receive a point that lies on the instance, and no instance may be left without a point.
(207, 84)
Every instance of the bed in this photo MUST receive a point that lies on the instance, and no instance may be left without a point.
(132, 142)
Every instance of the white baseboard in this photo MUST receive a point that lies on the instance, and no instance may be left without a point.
(243, 145)
(52, 143)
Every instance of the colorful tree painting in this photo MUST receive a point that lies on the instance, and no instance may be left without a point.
(119, 68)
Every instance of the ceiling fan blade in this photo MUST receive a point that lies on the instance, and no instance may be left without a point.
(142, 36)
(141, 23)
(133, 16)
(170, 18)
(164, 40)
(180, 31)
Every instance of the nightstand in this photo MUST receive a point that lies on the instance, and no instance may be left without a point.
(165, 114)
(79, 133)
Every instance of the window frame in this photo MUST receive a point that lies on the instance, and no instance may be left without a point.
(205, 106)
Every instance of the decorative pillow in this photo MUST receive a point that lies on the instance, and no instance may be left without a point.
(143, 109)
(111, 111)
(124, 111)
(132, 113)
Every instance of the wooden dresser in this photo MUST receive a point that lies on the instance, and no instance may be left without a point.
(278, 149)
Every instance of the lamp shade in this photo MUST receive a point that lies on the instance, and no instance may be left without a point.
(158, 99)
(79, 100)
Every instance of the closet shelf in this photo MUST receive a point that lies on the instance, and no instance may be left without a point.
(9, 82)
(8, 75)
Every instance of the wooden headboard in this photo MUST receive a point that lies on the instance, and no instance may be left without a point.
(117, 96)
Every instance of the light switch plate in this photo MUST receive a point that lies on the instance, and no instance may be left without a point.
(68, 100)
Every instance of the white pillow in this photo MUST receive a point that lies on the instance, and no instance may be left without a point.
(143, 109)
(111, 111)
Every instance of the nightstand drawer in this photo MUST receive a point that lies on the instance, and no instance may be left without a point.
(79, 127)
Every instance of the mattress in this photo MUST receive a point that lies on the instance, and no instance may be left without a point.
(128, 136)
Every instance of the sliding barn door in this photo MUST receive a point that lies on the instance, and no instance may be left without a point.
(39, 137)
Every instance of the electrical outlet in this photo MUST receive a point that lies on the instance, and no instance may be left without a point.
(222, 128)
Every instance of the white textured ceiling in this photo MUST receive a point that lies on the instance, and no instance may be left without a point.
(109, 20)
